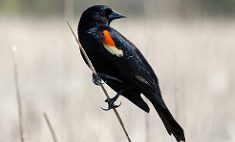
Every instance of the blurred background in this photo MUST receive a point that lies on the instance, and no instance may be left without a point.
(189, 43)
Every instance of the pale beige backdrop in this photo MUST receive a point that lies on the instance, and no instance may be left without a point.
(194, 59)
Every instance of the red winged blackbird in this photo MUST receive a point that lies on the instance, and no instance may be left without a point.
(121, 65)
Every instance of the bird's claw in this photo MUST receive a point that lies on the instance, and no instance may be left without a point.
(96, 79)
(111, 104)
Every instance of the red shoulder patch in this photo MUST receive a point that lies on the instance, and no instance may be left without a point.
(108, 39)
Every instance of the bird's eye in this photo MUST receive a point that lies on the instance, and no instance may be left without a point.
(108, 11)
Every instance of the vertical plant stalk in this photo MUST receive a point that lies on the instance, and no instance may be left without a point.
(175, 86)
(19, 101)
(50, 127)
(102, 87)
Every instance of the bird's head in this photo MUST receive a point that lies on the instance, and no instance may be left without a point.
(99, 15)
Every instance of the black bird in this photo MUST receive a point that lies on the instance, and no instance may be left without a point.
(121, 65)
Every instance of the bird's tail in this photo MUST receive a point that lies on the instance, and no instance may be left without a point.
(169, 122)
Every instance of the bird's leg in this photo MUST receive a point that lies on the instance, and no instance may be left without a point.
(111, 101)
(97, 78)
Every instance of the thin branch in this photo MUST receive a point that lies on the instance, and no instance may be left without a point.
(102, 87)
(176, 81)
(19, 102)
(50, 127)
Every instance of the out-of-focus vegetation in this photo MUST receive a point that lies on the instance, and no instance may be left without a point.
(191, 51)
(182, 8)
(193, 60)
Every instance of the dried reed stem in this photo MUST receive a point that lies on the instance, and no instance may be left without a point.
(175, 85)
(50, 127)
(102, 87)
(19, 102)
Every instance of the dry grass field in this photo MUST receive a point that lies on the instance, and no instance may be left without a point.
(194, 60)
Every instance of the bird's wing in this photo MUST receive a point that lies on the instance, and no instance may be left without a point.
(133, 66)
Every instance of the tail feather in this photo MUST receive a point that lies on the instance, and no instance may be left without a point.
(169, 122)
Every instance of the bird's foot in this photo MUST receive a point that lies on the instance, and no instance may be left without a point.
(111, 103)
(96, 79)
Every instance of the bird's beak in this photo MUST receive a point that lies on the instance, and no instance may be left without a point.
(115, 15)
